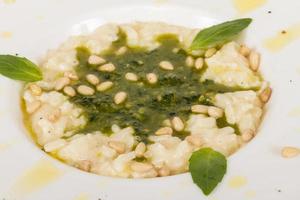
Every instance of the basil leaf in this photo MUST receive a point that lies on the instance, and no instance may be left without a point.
(220, 33)
(207, 168)
(18, 68)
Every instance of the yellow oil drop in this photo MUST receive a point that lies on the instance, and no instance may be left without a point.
(167, 193)
(295, 112)
(6, 34)
(283, 38)
(250, 194)
(40, 175)
(3, 147)
(9, 1)
(237, 182)
(8, 144)
(102, 184)
(40, 17)
(160, 2)
(82, 196)
(244, 6)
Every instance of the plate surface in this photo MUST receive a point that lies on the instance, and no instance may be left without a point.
(256, 172)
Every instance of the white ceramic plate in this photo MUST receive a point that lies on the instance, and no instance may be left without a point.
(257, 171)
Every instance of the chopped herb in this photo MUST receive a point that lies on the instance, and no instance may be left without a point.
(222, 122)
(140, 159)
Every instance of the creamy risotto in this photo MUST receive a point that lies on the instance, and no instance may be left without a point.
(132, 100)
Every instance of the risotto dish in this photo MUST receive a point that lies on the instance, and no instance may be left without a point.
(135, 101)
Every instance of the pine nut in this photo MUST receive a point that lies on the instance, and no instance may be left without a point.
(141, 167)
(104, 86)
(194, 140)
(85, 165)
(85, 90)
(35, 90)
(199, 52)
(164, 171)
(189, 61)
(96, 60)
(61, 83)
(118, 146)
(245, 51)
(254, 60)
(177, 124)
(120, 97)
(109, 67)
(175, 50)
(33, 106)
(115, 128)
(199, 63)
(164, 131)
(131, 77)
(54, 145)
(140, 149)
(121, 51)
(92, 79)
(140, 62)
(265, 95)
(210, 52)
(199, 109)
(152, 78)
(215, 112)
(54, 116)
(166, 65)
(167, 143)
(290, 152)
(248, 135)
(68, 90)
(71, 76)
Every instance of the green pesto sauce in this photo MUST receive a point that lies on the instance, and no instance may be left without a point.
(222, 122)
(147, 106)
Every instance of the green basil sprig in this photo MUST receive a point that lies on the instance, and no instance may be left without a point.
(207, 168)
(219, 34)
(19, 68)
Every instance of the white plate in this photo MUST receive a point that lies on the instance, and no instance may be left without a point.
(255, 172)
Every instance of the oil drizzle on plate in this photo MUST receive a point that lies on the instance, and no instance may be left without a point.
(160, 2)
(283, 38)
(167, 194)
(3, 146)
(82, 196)
(237, 182)
(295, 112)
(37, 177)
(6, 34)
(6, 145)
(244, 6)
(40, 17)
(250, 194)
(9, 1)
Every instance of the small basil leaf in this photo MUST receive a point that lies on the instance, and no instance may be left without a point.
(18, 68)
(220, 33)
(207, 168)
